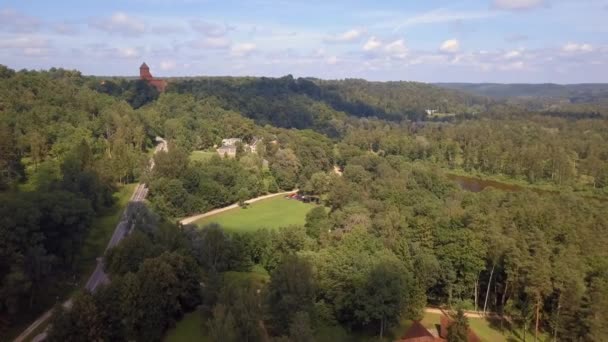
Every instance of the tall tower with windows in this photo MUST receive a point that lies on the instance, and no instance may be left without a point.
(144, 72)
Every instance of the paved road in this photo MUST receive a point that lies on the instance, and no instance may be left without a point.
(191, 219)
(99, 277)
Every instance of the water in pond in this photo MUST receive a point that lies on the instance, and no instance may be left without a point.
(476, 184)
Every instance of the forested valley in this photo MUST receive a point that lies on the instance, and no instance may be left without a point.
(392, 235)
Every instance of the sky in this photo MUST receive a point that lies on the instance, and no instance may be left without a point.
(505, 41)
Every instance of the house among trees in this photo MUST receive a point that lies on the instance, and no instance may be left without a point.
(144, 74)
(231, 141)
(229, 147)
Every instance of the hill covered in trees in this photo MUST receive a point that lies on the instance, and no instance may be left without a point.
(393, 233)
(577, 93)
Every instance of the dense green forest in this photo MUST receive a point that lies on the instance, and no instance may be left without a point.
(393, 235)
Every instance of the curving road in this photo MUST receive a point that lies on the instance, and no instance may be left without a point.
(99, 277)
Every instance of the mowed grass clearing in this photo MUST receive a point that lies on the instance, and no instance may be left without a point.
(201, 155)
(271, 213)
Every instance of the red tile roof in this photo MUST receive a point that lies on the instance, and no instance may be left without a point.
(417, 333)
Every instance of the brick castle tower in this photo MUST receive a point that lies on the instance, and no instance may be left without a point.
(144, 74)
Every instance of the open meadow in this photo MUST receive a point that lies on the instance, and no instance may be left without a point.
(271, 213)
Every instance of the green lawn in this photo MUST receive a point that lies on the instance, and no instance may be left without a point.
(201, 155)
(271, 213)
(189, 328)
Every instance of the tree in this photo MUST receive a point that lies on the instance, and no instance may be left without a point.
(319, 183)
(386, 295)
(317, 221)
(300, 329)
(459, 329)
(222, 326)
(129, 254)
(244, 303)
(82, 322)
(291, 290)
(211, 247)
(286, 168)
(172, 163)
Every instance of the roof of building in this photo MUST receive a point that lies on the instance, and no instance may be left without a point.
(144, 66)
(415, 331)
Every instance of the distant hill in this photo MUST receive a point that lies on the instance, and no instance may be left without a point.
(301, 102)
(575, 93)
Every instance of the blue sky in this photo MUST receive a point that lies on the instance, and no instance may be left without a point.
(534, 41)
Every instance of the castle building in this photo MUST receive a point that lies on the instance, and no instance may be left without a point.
(144, 74)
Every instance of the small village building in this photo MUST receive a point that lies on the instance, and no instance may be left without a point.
(229, 147)
(231, 141)
(227, 151)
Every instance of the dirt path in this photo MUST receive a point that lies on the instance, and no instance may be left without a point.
(467, 313)
(194, 218)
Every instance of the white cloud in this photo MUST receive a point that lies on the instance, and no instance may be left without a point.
(24, 42)
(396, 49)
(333, 60)
(209, 29)
(128, 52)
(168, 65)
(65, 28)
(577, 48)
(318, 53)
(512, 66)
(442, 15)
(450, 46)
(243, 49)
(346, 37)
(517, 5)
(35, 52)
(14, 21)
(512, 54)
(120, 23)
(211, 43)
(372, 44)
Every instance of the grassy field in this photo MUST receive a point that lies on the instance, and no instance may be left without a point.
(271, 213)
(201, 155)
(189, 328)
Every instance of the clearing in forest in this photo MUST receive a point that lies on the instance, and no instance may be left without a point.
(271, 213)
